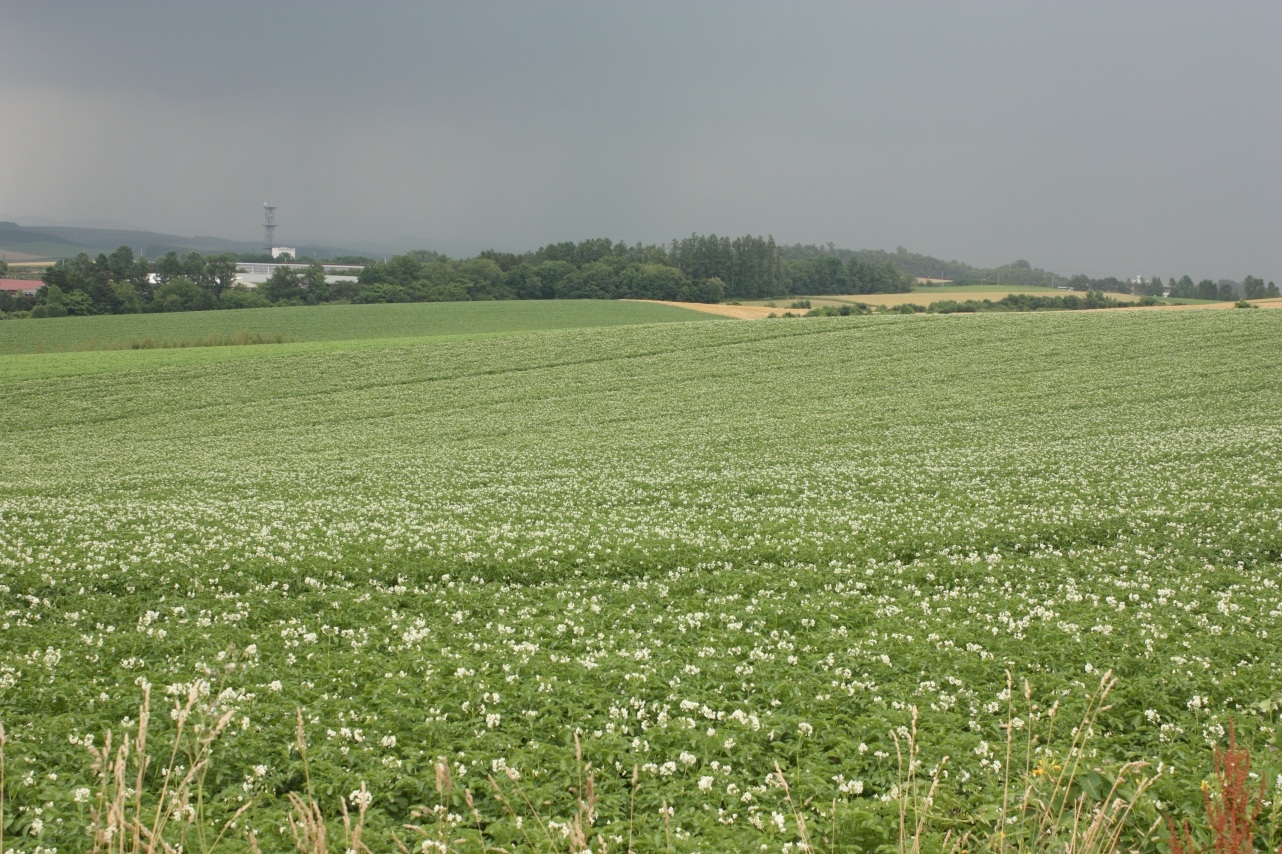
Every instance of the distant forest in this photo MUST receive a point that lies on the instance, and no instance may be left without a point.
(699, 268)
(1022, 273)
(695, 269)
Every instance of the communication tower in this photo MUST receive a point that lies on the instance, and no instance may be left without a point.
(269, 225)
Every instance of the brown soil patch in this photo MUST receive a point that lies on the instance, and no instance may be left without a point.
(739, 312)
(21, 257)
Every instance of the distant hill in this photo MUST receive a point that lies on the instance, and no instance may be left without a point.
(58, 242)
(926, 267)
(24, 244)
(55, 242)
(148, 243)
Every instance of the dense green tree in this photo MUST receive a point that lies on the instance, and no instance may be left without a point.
(120, 264)
(96, 280)
(757, 267)
(85, 275)
(242, 297)
(823, 274)
(1184, 288)
(440, 289)
(553, 275)
(646, 254)
(592, 251)
(709, 290)
(169, 266)
(524, 281)
(53, 299)
(182, 294)
(652, 281)
(385, 272)
(751, 267)
(381, 292)
(12, 302)
(135, 270)
(343, 289)
(563, 251)
(505, 260)
(702, 257)
(218, 273)
(880, 278)
(79, 304)
(483, 279)
(283, 286)
(125, 299)
(827, 274)
(1253, 288)
(56, 309)
(315, 289)
(592, 281)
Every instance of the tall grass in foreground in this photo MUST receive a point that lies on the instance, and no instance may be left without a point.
(240, 338)
(1047, 805)
(1048, 801)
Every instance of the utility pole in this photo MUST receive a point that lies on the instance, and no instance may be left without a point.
(269, 226)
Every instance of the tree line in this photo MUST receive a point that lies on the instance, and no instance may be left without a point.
(1223, 290)
(916, 265)
(1020, 272)
(700, 268)
(1010, 302)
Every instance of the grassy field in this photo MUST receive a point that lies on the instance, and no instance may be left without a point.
(682, 553)
(326, 323)
(44, 249)
(33, 270)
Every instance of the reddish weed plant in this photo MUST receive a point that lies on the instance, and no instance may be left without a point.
(1232, 806)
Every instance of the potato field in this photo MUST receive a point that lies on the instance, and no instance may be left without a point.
(616, 587)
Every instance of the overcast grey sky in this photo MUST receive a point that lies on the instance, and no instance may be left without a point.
(1094, 136)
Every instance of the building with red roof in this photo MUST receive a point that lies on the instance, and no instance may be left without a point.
(21, 286)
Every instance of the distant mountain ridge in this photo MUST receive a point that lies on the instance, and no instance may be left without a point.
(58, 242)
(55, 242)
(927, 267)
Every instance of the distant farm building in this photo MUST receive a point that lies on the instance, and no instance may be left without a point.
(21, 286)
(253, 274)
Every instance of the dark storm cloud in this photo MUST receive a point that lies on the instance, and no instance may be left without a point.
(1088, 136)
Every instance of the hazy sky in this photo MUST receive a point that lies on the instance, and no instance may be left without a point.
(1096, 136)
